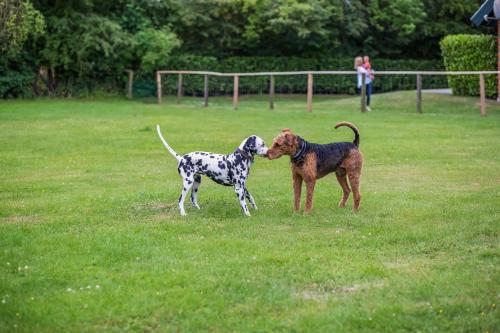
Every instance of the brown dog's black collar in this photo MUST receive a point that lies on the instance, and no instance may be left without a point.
(244, 154)
(298, 157)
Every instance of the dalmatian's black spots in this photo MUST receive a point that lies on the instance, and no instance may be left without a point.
(194, 190)
(221, 165)
(182, 167)
(238, 160)
(251, 144)
(230, 175)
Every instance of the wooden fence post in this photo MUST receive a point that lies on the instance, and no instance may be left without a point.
(130, 83)
(271, 92)
(419, 93)
(363, 92)
(309, 92)
(158, 86)
(482, 93)
(235, 91)
(179, 89)
(205, 91)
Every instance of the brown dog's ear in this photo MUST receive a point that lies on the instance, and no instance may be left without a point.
(289, 137)
(285, 130)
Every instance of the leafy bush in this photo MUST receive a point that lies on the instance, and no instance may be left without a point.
(470, 53)
(18, 20)
(16, 77)
(87, 53)
(154, 46)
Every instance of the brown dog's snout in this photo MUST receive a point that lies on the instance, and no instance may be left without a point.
(270, 155)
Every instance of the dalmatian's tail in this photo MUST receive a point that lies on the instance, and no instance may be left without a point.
(177, 156)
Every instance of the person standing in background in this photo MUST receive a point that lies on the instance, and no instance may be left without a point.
(358, 66)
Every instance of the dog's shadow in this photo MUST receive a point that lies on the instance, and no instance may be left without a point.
(163, 211)
(219, 209)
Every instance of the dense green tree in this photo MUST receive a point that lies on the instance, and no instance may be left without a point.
(89, 41)
(385, 28)
(152, 48)
(393, 24)
(443, 17)
(84, 43)
(18, 20)
(212, 27)
(288, 27)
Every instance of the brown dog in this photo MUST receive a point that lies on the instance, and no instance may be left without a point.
(311, 161)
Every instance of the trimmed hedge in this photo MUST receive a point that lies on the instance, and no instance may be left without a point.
(470, 53)
(323, 84)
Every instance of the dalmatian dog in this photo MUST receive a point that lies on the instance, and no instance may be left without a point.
(229, 170)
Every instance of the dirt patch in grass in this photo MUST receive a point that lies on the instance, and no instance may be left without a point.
(154, 206)
(157, 211)
(397, 264)
(323, 292)
(163, 216)
(22, 219)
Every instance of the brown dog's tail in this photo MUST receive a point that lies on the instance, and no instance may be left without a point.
(354, 128)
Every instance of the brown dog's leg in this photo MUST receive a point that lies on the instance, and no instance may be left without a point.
(353, 164)
(297, 189)
(342, 179)
(354, 181)
(309, 198)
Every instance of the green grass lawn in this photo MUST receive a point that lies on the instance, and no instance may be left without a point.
(91, 238)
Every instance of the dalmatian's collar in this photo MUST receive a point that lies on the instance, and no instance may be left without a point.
(244, 154)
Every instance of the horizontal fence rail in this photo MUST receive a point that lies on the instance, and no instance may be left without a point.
(330, 73)
(310, 83)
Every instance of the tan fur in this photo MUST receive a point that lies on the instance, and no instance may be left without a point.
(353, 165)
(348, 124)
(284, 144)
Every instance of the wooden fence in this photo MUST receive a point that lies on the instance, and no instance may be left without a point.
(310, 84)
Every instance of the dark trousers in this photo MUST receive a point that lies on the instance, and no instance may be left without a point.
(368, 93)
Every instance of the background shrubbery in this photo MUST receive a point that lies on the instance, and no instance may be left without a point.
(19, 83)
(470, 53)
(82, 47)
(323, 84)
